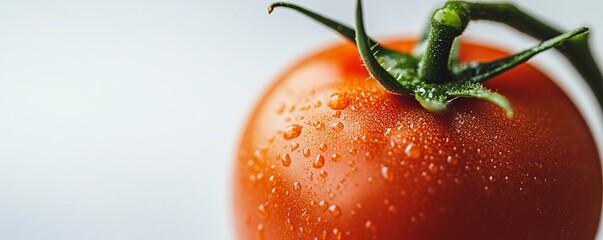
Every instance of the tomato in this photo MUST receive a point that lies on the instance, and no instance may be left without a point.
(329, 154)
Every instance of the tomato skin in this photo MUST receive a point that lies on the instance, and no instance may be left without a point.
(364, 164)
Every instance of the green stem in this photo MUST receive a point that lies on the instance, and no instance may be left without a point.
(484, 71)
(576, 50)
(365, 48)
(345, 31)
(447, 23)
(434, 75)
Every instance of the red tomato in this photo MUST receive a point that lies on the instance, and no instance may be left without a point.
(329, 154)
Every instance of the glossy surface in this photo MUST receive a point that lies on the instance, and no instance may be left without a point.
(328, 154)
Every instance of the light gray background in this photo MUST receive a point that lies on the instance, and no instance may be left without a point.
(119, 118)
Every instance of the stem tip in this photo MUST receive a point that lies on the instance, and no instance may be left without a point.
(449, 18)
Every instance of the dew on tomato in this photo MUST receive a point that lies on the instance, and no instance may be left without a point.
(378, 163)
(398, 171)
(319, 162)
(292, 132)
(297, 188)
(286, 160)
(337, 126)
(338, 102)
(294, 146)
(334, 210)
(307, 152)
(323, 147)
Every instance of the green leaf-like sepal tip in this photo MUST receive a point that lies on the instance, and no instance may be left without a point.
(399, 73)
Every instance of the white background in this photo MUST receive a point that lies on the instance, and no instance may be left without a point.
(119, 119)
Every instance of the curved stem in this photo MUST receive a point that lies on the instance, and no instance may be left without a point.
(345, 31)
(434, 75)
(447, 23)
(366, 53)
(576, 50)
(484, 71)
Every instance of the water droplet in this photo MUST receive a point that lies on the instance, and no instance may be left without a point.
(323, 205)
(337, 114)
(297, 187)
(306, 107)
(370, 226)
(286, 160)
(305, 216)
(334, 210)
(319, 161)
(323, 174)
(426, 176)
(387, 174)
(336, 234)
(481, 153)
(338, 102)
(289, 225)
(294, 146)
(323, 235)
(337, 126)
(281, 109)
(263, 211)
(253, 179)
(457, 181)
(323, 147)
(306, 152)
(313, 204)
(412, 151)
(258, 154)
(260, 231)
(352, 151)
(432, 168)
(452, 161)
(335, 157)
(318, 104)
(272, 180)
(387, 131)
(292, 131)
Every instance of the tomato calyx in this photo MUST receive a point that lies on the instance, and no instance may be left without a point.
(433, 73)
